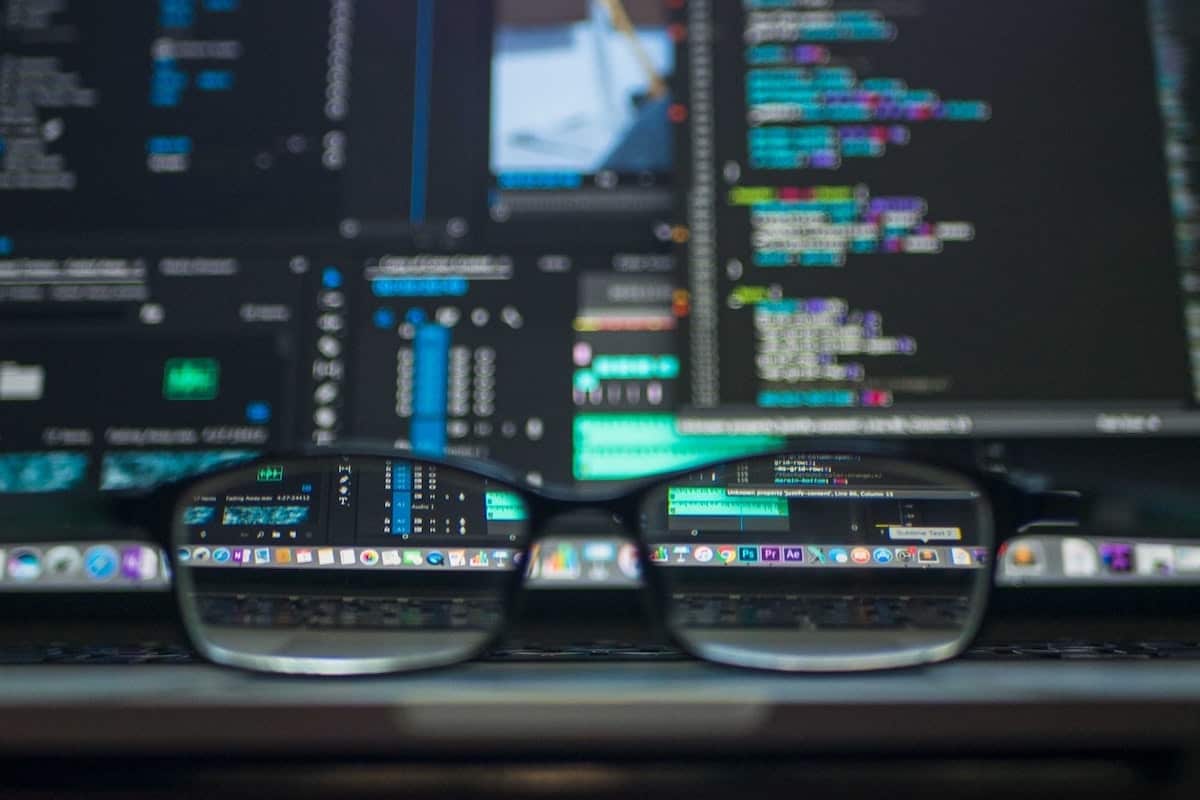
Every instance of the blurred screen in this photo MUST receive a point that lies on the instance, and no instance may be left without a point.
(589, 240)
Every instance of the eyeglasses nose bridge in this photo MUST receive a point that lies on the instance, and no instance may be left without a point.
(621, 516)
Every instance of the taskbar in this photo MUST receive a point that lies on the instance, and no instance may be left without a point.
(817, 555)
(83, 566)
(672, 555)
(381, 558)
(1073, 559)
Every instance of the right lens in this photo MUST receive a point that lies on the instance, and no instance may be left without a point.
(812, 562)
(347, 565)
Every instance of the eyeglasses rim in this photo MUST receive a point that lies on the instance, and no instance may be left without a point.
(544, 505)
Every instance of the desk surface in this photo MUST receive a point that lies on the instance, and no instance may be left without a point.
(600, 709)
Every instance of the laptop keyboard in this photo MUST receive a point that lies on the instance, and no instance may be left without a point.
(171, 653)
(1068, 650)
(66, 653)
(825, 612)
(807, 612)
(360, 613)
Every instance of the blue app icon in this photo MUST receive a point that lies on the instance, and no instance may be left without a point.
(384, 318)
(882, 555)
(435, 559)
(839, 555)
(101, 562)
(221, 554)
(258, 413)
(747, 553)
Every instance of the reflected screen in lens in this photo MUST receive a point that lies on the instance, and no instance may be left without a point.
(820, 561)
(351, 564)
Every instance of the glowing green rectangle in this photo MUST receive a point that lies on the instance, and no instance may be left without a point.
(505, 507)
(632, 367)
(625, 446)
(191, 378)
(585, 380)
(711, 501)
(696, 493)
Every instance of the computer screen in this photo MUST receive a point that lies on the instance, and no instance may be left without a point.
(956, 217)
(589, 239)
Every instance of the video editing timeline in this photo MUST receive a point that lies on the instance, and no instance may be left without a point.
(354, 506)
(121, 391)
(424, 505)
(201, 406)
(891, 234)
(566, 365)
(345, 514)
(344, 218)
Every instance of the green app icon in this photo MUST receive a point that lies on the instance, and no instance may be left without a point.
(270, 474)
(191, 378)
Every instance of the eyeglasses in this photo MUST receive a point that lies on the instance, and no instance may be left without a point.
(795, 561)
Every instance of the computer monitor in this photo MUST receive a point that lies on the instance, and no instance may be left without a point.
(590, 239)
(940, 218)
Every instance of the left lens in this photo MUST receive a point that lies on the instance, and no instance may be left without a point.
(346, 566)
(810, 562)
